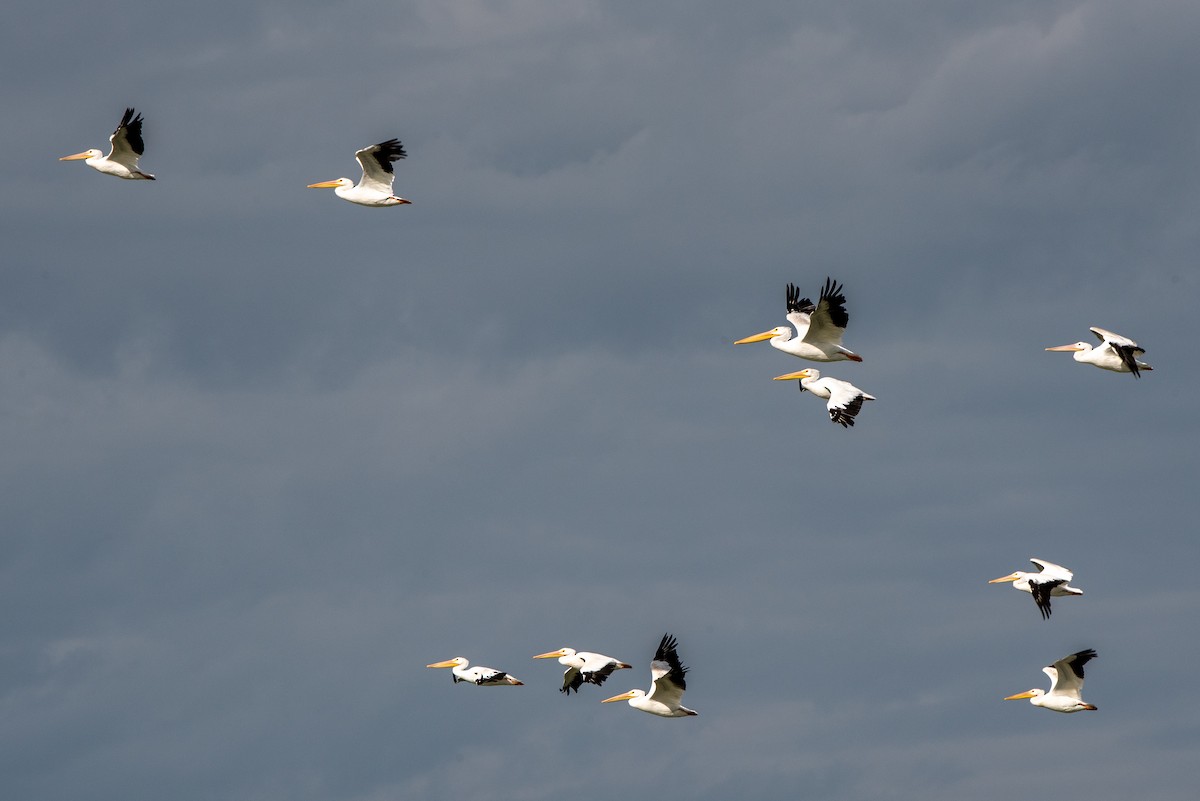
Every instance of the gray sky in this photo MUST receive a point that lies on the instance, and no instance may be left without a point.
(266, 454)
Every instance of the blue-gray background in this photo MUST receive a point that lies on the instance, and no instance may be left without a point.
(266, 454)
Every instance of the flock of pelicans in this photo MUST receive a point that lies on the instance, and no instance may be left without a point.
(815, 333)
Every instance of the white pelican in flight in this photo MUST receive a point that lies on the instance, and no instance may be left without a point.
(1115, 352)
(845, 399)
(375, 188)
(127, 146)
(482, 676)
(583, 666)
(665, 697)
(819, 328)
(1051, 580)
(1066, 677)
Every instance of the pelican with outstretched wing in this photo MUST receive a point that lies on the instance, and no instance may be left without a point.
(127, 148)
(666, 695)
(375, 186)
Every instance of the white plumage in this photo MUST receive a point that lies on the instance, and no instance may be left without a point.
(844, 399)
(478, 675)
(583, 667)
(1051, 581)
(819, 327)
(665, 698)
(1066, 685)
(122, 158)
(375, 186)
(1115, 352)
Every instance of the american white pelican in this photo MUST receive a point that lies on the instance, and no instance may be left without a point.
(583, 666)
(666, 695)
(1066, 677)
(845, 399)
(1050, 581)
(483, 676)
(375, 188)
(819, 328)
(127, 146)
(1115, 352)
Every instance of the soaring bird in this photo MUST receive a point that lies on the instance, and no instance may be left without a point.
(375, 187)
(122, 159)
(1115, 352)
(666, 696)
(583, 667)
(1051, 580)
(482, 676)
(845, 399)
(1066, 684)
(819, 328)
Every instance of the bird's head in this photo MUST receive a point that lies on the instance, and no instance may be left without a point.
(457, 661)
(1036, 692)
(777, 331)
(340, 182)
(87, 154)
(624, 696)
(1072, 348)
(807, 372)
(1010, 577)
(556, 654)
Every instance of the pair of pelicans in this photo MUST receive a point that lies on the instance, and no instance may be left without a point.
(1066, 675)
(819, 328)
(667, 673)
(373, 189)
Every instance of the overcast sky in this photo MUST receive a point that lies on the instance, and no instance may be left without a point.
(266, 454)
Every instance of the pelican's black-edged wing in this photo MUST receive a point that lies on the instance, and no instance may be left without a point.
(1040, 590)
(128, 135)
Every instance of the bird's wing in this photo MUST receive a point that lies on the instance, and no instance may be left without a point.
(798, 310)
(572, 680)
(1040, 590)
(126, 140)
(828, 322)
(1067, 673)
(1051, 570)
(376, 162)
(668, 673)
(845, 401)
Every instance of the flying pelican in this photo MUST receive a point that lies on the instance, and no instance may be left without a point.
(483, 676)
(1051, 580)
(667, 693)
(375, 188)
(1066, 677)
(127, 146)
(819, 328)
(583, 666)
(845, 399)
(1115, 352)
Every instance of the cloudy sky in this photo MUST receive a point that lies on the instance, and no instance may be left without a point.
(266, 454)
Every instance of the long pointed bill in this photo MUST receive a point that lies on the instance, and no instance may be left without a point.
(447, 663)
(75, 157)
(324, 185)
(791, 376)
(621, 697)
(1018, 696)
(1065, 348)
(550, 655)
(1003, 579)
(756, 337)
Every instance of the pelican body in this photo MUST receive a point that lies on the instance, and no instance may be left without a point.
(666, 694)
(122, 158)
(1115, 352)
(375, 186)
(818, 327)
(1066, 685)
(1051, 581)
(478, 675)
(583, 667)
(844, 399)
